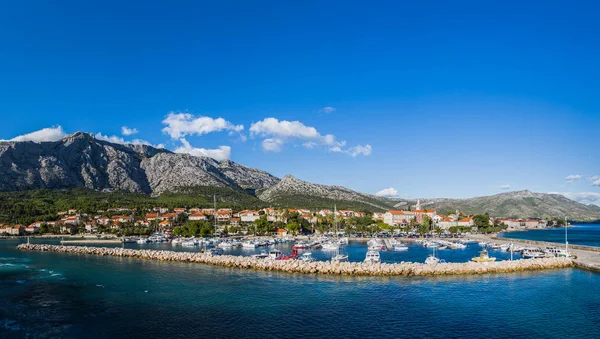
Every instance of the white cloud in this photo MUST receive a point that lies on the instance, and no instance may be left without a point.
(45, 134)
(272, 145)
(572, 177)
(582, 197)
(182, 124)
(221, 153)
(128, 131)
(388, 192)
(118, 140)
(596, 183)
(504, 187)
(327, 110)
(276, 133)
(113, 138)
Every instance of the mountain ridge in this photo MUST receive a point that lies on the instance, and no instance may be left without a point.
(82, 160)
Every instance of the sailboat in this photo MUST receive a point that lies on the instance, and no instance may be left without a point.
(339, 256)
(432, 259)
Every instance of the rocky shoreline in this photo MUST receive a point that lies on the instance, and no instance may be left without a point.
(317, 267)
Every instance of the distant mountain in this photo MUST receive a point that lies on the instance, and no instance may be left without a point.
(521, 204)
(291, 191)
(81, 160)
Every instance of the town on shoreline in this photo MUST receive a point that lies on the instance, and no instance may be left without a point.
(183, 221)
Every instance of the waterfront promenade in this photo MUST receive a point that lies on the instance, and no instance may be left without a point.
(316, 267)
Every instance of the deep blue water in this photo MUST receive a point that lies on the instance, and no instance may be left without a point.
(81, 296)
(580, 234)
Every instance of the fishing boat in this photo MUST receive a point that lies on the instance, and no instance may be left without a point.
(372, 257)
(483, 257)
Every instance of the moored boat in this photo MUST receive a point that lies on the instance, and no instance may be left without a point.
(483, 257)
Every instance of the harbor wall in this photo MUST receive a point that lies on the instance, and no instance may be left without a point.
(316, 267)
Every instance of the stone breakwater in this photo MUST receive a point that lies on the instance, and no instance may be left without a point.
(316, 267)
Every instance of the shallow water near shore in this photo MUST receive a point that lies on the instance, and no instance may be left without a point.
(64, 295)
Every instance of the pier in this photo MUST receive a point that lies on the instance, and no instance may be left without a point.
(316, 267)
(585, 257)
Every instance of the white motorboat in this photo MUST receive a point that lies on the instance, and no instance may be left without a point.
(188, 243)
(225, 244)
(330, 246)
(142, 241)
(398, 247)
(307, 257)
(249, 244)
(340, 258)
(372, 257)
(557, 252)
(432, 244)
(262, 255)
(458, 246)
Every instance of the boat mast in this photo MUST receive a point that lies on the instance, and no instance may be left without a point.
(215, 210)
(566, 237)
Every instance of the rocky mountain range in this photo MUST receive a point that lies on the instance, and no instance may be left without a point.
(521, 204)
(81, 160)
(290, 189)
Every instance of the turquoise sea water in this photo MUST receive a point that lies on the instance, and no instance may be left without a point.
(82, 296)
(580, 234)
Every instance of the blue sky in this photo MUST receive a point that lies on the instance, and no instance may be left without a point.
(452, 99)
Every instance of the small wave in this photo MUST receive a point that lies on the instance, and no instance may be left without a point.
(9, 324)
(20, 282)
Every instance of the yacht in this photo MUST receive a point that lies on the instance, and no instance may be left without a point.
(483, 257)
(372, 257)
(142, 241)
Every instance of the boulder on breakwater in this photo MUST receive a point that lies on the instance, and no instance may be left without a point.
(316, 267)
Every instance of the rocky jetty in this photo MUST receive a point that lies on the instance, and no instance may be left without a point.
(317, 267)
